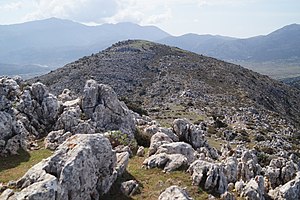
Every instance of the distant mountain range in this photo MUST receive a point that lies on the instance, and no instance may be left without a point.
(55, 42)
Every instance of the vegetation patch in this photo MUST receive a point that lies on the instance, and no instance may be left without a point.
(15, 166)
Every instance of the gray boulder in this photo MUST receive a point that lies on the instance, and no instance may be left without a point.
(254, 189)
(211, 174)
(189, 133)
(157, 140)
(129, 188)
(290, 190)
(169, 162)
(174, 192)
(100, 103)
(83, 167)
(178, 148)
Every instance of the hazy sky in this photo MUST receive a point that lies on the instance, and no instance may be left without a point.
(239, 18)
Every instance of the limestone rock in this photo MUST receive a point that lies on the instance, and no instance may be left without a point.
(254, 189)
(290, 190)
(129, 188)
(174, 192)
(228, 196)
(122, 162)
(141, 151)
(178, 148)
(213, 175)
(280, 171)
(157, 140)
(189, 133)
(6, 194)
(169, 162)
(83, 167)
(100, 103)
(248, 166)
(55, 138)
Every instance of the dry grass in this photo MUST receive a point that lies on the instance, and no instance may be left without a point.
(15, 166)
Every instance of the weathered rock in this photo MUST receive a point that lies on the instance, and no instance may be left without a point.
(69, 119)
(100, 103)
(189, 133)
(254, 189)
(228, 196)
(6, 194)
(280, 171)
(239, 185)
(248, 166)
(83, 167)
(157, 140)
(290, 190)
(178, 148)
(213, 175)
(122, 162)
(169, 162)
(174, 192)
(231, 169)
(141, 151)
(66, 95)
(56, 138)
(6, 126)
(129, 188)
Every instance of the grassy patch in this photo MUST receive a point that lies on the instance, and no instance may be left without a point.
(153, 182)
(15, 166)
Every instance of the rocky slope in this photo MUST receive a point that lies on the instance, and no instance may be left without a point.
(95, 134)
(153, 75)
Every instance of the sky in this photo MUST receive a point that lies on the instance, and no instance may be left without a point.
(236, 18)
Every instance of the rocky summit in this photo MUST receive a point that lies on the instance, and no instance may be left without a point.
(189, 127)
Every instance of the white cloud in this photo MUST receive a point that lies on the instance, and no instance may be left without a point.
(78, 10)
(11, 6)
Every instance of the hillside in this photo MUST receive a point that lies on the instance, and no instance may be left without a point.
(152, 76)
(292, 81)
(55, 42)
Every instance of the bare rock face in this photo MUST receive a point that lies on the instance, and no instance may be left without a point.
(83, 167)
(248, 166)
(211, 174)
(129, 188)
(178, 148)
(157, 140)
(290, 190)
(280, 171)
(169, 162)
(189, 133)
(254, 189)
(55, 138)
(230, 167)
(141, 151)
(100, 103)
(174, 192)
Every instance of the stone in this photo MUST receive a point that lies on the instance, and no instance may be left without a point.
(290, 190)
(169, 162)
(100, 104)
(69, 119)
(83, 167)
(248, 166)
(56, 138)
(228, 196)
(230, 167)
(130, 187)
(6, 194)
(174, 192)
(280, 171)
(238, 186)
(189, 133)
(122, 162)
(211, 174)
(66, 95)
(157, 140)
(178, 148)
(254, 189)
(141, 151)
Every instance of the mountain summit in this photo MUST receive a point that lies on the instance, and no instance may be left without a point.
(151, 75)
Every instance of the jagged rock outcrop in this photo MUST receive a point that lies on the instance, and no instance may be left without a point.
(280, 171)
(254, 189)
(157, 140)
(83, 167)
(211, 174)
(290, 190)
(248, 166)
(129, 188)
(174, 192)
(189, 133)
(169, 162)
(100, 103)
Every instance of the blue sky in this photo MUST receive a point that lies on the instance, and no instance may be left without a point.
(238, 18)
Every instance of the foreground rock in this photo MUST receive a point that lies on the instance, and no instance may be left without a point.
(174, 192)
(129, 188)
(83, 167)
